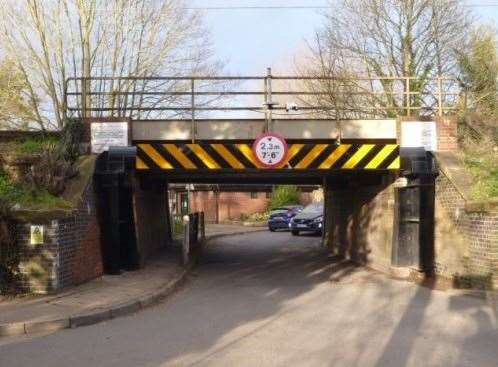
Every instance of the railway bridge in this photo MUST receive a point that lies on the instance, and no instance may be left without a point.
(152, 132)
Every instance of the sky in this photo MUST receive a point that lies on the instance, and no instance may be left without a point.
(250, 40)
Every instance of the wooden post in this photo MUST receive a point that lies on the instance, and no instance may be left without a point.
(202, 225)
(408, 97)
(217, 204)
(440, 95)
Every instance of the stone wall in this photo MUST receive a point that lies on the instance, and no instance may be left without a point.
(71, 252)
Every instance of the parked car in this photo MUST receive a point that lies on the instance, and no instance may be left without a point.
(280, 217)
(310, 219)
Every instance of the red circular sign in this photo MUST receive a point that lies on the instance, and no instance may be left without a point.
(270, 150)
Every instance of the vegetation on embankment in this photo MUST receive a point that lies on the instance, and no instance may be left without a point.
(34, 186)
(35, 145)
(478, 130)
(34, 170)
(20, 195)
(481, 161)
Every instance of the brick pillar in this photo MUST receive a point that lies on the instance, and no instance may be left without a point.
(447, 134)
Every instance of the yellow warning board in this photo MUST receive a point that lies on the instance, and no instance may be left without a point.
(238, 155)
(36, 237)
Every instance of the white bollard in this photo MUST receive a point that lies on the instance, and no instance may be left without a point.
(186, 239)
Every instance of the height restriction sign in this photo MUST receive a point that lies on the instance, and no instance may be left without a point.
(270, 150)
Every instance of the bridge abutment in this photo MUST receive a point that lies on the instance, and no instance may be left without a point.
(152, 223)
(360, 222)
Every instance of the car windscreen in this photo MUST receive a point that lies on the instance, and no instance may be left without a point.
(278, 211)
(314, 208)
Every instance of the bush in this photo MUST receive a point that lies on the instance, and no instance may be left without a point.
(284, 195)
(258, 217)
(26, 197)
(51, 171)
(9, 192)
(72, 135)
(35, 145)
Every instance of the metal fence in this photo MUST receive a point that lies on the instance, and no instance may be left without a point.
(269, 96)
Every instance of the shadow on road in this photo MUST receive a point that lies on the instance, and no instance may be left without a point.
(275, 299)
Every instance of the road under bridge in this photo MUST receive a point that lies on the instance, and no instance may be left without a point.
(271, 299)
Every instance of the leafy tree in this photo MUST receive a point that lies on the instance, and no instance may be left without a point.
(284, 195)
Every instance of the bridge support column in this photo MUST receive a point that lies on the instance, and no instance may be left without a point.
(359, 220)
(413, 237)
(152, 216)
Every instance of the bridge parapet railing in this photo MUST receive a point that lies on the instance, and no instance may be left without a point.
(221, 97)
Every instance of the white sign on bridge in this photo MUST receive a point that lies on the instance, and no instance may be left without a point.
(416, 134)
(107, 134)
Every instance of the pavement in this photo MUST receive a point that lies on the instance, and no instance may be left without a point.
(272, 299)
(101, 299)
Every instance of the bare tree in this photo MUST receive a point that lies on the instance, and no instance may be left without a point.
(332, 85)
(15, 109)
(51, 40)
(392, 38)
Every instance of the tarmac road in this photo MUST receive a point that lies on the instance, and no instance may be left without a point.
(272, 299)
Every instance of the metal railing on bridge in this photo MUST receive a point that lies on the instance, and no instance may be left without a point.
(269, 96)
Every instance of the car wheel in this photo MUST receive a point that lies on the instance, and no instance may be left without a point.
(295, 233)
(271, 229)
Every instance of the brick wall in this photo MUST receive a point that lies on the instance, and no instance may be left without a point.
(233, 205)
(71, 253)
(466, 240)
(447, 133)
(480, 228)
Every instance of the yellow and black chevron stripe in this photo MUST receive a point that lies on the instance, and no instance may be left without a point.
(238, 155)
